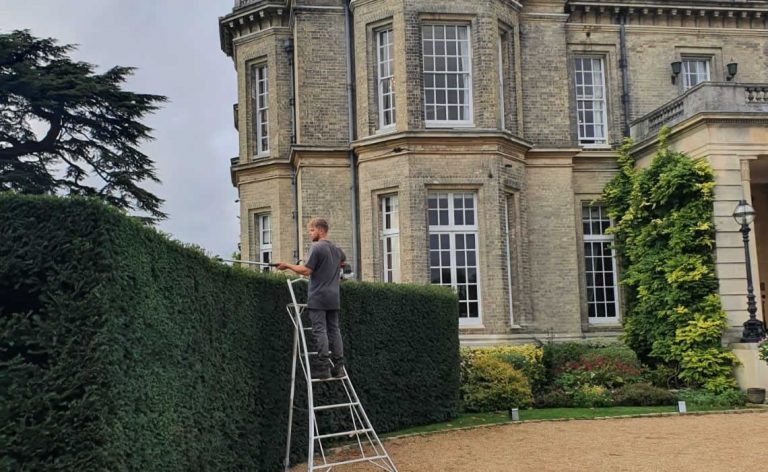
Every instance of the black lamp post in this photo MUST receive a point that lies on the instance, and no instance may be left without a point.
(744, 215)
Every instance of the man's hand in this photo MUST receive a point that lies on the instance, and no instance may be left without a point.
(299, 269)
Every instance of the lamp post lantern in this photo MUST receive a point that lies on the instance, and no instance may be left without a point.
(753, 332)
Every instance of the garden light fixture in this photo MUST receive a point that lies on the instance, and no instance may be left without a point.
(676, 68)
(754, 331)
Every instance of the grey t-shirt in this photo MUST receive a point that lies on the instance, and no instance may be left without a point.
(324, 261)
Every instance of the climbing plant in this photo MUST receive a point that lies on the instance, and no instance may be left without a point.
(665, 237)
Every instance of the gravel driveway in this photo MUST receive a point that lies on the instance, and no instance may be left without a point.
(693, 442)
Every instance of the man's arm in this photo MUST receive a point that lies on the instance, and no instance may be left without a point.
(298, 268)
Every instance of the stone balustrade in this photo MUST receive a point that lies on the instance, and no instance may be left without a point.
(708, 97)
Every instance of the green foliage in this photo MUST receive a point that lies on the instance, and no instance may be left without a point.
(491, 384)
(592, 396)
(707, 399)
(643, 394)
(763, 350)
(609, 365)
(526, 358)
(121, 350)
(662, 376)
(665, 239)
(556, 398)
(64, 127)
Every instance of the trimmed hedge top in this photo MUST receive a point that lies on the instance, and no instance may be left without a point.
(122, 350)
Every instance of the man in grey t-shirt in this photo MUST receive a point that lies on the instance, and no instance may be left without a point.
(323, 300)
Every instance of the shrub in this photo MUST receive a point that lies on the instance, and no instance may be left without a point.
(491, 384)
(121, 350)
(595, 368)
(592, 396)
(664, 237)
(573, 365)
(556, 355)
(662, 376)
(524, 357)
(643, 394)
(556, 398)
(763, 350)
(708, 399)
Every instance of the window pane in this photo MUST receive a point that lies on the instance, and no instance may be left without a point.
(600, 276)
(386, 102)
(260, 109)
(457, 239)
(590, 100)
(447, 72)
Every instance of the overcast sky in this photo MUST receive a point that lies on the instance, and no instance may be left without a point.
(175, 46)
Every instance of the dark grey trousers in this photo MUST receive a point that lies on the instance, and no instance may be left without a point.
(327, 335)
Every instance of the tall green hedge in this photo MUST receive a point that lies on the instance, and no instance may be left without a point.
(122, 350)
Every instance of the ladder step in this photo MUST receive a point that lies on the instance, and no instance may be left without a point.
(344, 433)
(329, 379)
(351, 461)
(338, 405)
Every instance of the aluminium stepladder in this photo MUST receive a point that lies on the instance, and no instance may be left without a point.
(369, 446)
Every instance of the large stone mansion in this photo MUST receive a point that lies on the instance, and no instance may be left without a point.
(466, 142)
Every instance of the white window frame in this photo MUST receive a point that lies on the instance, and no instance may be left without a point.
(604, 240)
(465, 73)
(260, 101)
(264, 227)
(502, 111)
(385, 77)
(390, 237)
(591, 98)
(699, 74)
(454, 230)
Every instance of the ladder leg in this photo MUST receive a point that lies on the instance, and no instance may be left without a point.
(287, 460)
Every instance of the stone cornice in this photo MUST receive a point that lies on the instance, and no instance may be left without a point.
(659, 7)
(323, 155)
(457, 136)
(353, 4)
(551, 157)
(257, 167)
(252, 17)
(704, 118)
(655, 29)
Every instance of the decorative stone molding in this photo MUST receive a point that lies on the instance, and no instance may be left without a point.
(251, 16)
(748, 14)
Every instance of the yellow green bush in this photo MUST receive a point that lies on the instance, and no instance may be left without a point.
(489, 382)
(527, 358)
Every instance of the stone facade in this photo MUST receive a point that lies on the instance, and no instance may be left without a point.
(523, 157)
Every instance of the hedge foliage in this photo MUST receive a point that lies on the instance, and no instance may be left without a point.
(122, 350)
(665, 241)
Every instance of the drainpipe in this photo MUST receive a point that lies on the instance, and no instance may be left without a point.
(509, 262)
(352, 157)
(288, 47)
(624, 72)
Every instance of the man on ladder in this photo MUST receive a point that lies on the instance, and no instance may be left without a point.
(323, 299)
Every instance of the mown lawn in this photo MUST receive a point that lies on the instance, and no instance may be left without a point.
(478, 419)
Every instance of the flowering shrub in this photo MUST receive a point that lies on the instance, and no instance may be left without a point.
(597, 369)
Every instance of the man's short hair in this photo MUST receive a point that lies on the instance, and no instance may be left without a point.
(319, 223)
